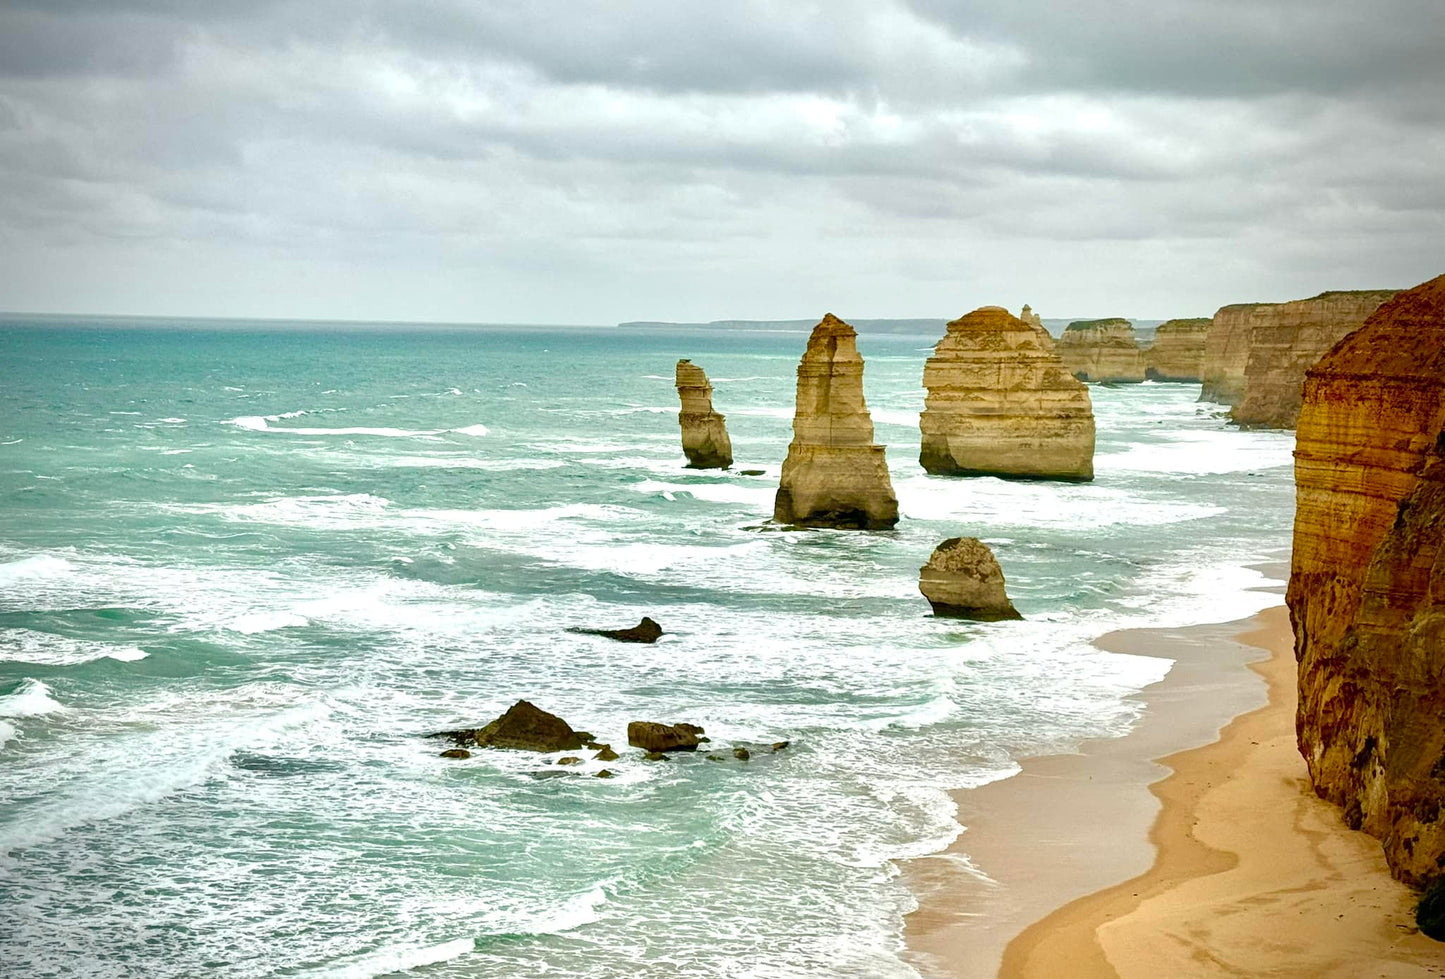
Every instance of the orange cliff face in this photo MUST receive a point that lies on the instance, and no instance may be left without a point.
(1178, 351)
(1367, 583)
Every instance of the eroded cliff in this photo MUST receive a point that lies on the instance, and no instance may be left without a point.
(1367, 583)
(1001, 403)
(1178, 351)
(1102, 350)
(834, 476)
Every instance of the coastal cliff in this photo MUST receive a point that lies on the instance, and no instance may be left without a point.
(834, 476)
(1286, 340)
(1178, 351)
(705, 439)
(1102, 350)
(1367, 582)
(1001, 403)
(1255, 354)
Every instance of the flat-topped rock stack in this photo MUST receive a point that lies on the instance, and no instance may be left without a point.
(1177, 353)
(834, 475)
(1001, 403)
(1367, 579)
(705, 439)
(1283, 340)
(1105, 351)
(1288, 339)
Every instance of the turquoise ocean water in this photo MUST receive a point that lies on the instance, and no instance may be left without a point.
(245, 567)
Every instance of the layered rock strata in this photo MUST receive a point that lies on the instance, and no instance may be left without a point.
(1177, 353)
(1367, 583)
(834, 476)
(963, 580)
(1001, 403)
(1105, 351)
(705, 439)
(1287, 339)
(1313, 325)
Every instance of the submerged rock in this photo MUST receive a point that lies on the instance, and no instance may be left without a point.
(605, 773)
(569, 760)
(780, 745)
(655, 737)
(741, 753)
(655, 756)
(645, 631)
(705, 439)
(1367, 579)
(963, 580)
(605, 754)
(456, 753)
(1001, 403)
(834, 475)
(524, 727)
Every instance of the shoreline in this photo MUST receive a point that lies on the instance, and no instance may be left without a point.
(1183, 848)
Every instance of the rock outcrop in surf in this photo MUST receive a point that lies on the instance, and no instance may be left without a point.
(834, 475)
(1367, 582)
(963, 580)
(1001, 403)
(647, 631)
(705, 439)
(1105, 351)
(653, 736)
(524, 727)
(1177, 353)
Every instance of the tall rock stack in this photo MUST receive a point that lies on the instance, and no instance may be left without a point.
(1102, 350)
(1178, 351)
(705, 439)
(1288, 339)
(1001, 403)
(834, 475)
(1367, 583)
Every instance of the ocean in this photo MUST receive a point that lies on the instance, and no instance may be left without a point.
(245, 568)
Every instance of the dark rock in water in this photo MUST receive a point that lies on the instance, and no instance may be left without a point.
(569, 760)
(652, 736)
(752, 472)
(714, 757)
(524, 727)
(590, 744)
(741, 754)
(456, 753)
(655, 756)
(605, 753)
(586, 737)
(780, 745)
(645, 631)
(605, 774)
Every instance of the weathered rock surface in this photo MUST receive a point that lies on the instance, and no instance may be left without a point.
(1287, 340)
(1029, 318)
(645, 631)
(654, 737)
(963, 580)
(1235, 330)
(605, 754)
(1001, 403)
(1105, 351)
(1367, 583)
(834, 476)
(524, 727)
(458, 753)
(1177, 353)
(705, 439)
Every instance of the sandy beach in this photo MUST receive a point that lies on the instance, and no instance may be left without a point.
(1179, 850)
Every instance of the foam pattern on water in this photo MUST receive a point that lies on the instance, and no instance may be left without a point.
(243, 573)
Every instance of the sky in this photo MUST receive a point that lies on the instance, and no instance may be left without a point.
(590, 161)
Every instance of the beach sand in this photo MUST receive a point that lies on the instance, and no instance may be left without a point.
(1075, 870)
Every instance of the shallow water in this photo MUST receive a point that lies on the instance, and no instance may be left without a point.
(244, 569)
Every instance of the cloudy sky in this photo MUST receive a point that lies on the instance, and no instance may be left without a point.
(590, 161)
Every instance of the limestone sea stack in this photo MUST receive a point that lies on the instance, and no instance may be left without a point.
(1287, 341)
(1178, 351)
(1105, 351)
(1293, 336)
(962, 580)
(834, 476)
(705, 439)
(1367, 582)
(1001, 403)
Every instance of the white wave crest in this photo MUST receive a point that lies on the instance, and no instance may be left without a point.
(30, 699)
(397, 958)
(476, 430)
(36, 566)
(47, 649)
(253, 623)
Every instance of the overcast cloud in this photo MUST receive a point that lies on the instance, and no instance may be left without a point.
(590, 161)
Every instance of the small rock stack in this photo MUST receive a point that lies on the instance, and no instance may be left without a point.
(705, 439)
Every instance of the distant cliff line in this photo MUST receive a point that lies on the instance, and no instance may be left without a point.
(901, 327)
